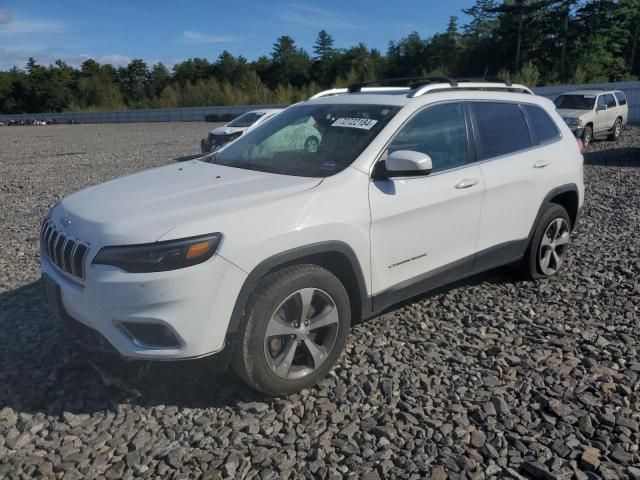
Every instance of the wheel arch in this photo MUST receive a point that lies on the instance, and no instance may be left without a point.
(337, 257)
(566, 196)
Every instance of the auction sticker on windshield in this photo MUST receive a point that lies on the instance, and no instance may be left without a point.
(361, 123)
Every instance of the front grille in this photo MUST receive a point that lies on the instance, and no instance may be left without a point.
(64, 252)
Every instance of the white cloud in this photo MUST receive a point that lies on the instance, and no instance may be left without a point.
(16, 27)
(190, 36)
(315, 17)
(113, 59)
(5, 16)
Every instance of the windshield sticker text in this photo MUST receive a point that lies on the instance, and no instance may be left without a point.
(361, 123)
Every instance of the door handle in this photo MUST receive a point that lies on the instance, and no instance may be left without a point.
(467, 182)
(541, 164)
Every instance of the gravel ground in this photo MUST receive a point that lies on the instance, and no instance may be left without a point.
(491, 378)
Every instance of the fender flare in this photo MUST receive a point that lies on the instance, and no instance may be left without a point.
(289, 257)
(569, 187)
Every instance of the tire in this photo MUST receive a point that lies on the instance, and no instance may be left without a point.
(274, 353)
(552, 234)
(587, 135)
(311, 144)
(617, 130)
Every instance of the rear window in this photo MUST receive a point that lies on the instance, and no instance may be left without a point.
(543, 127)
(622, 100)
(501, 128)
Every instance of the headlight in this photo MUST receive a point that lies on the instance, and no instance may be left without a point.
(160, 256)
(572, 122)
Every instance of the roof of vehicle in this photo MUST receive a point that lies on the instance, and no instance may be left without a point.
(589, 91)
(266, 110)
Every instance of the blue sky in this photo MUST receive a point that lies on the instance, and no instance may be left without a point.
(115, 31)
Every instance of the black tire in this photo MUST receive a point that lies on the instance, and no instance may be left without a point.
(311, 144)
(617, 130)
(250, 359)
(532, 266)
(587, 135)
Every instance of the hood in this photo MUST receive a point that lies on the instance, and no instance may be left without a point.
(227, 130)
(572, 113)
(142, 207)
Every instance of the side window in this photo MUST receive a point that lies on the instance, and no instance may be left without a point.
(501, 128)
(602, 101)
(440, 132)
(542, 125)
(611, 101)
(622, 100)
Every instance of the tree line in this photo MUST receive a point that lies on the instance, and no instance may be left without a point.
(536, 42)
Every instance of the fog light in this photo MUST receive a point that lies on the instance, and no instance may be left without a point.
(150, 335)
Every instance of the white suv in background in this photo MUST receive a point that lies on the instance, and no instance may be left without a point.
(265, 255)
(218, 137)
(594, 113)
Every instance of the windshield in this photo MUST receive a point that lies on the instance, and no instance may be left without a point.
(308, 140)
(575, 102)
(245, 120)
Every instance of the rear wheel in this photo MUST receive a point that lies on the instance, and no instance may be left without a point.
(296, 326)
(617, 130)
(549, 245)
(587, 135)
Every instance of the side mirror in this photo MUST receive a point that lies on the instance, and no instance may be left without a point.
(405, 163)
(601, 108)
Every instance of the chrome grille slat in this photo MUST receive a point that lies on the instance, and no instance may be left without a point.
(63, 251)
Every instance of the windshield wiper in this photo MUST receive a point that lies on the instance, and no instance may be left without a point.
(253, 166)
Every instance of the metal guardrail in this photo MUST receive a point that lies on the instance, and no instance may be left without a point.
(186, 114)
(198, 114)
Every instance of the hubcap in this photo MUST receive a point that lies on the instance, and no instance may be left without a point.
(553, 246)
(301, 333)
(618, 128)
(312, 145)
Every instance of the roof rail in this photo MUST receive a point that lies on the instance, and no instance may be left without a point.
(340, 91)
(412, 81)
(418, 86)
(471, 85)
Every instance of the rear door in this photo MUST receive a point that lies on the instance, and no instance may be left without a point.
(518, 170)
(421, 224)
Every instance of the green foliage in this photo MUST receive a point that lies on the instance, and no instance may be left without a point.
(535, 42)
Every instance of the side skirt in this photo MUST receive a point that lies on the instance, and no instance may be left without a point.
(492, 257)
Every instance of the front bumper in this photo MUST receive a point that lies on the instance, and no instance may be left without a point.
(577, 131)
(194, 303)
(205, 145)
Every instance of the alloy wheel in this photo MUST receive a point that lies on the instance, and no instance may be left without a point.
(301, 333)
(553, 246)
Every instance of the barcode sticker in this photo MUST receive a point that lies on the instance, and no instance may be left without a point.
(361, 123)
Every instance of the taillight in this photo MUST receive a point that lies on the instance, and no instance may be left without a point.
(580, 145)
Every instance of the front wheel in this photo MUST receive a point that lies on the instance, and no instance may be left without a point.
(617, 130)
(549, 245)
(295, 327)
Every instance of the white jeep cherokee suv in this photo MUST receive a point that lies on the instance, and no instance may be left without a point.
(266, 255)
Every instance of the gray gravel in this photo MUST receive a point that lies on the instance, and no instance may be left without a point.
(491, 378)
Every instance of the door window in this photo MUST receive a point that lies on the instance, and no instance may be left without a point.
(602, 102)
(440, 132)
(622, 100)
(539, 121)
(611, 101)
(501, 128)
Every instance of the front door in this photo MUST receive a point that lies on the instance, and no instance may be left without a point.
(423, 226)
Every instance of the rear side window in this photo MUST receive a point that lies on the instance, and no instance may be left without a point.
(440, 132)
(611, 101)
(501, 128)
(543, 127)
(622, 100)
